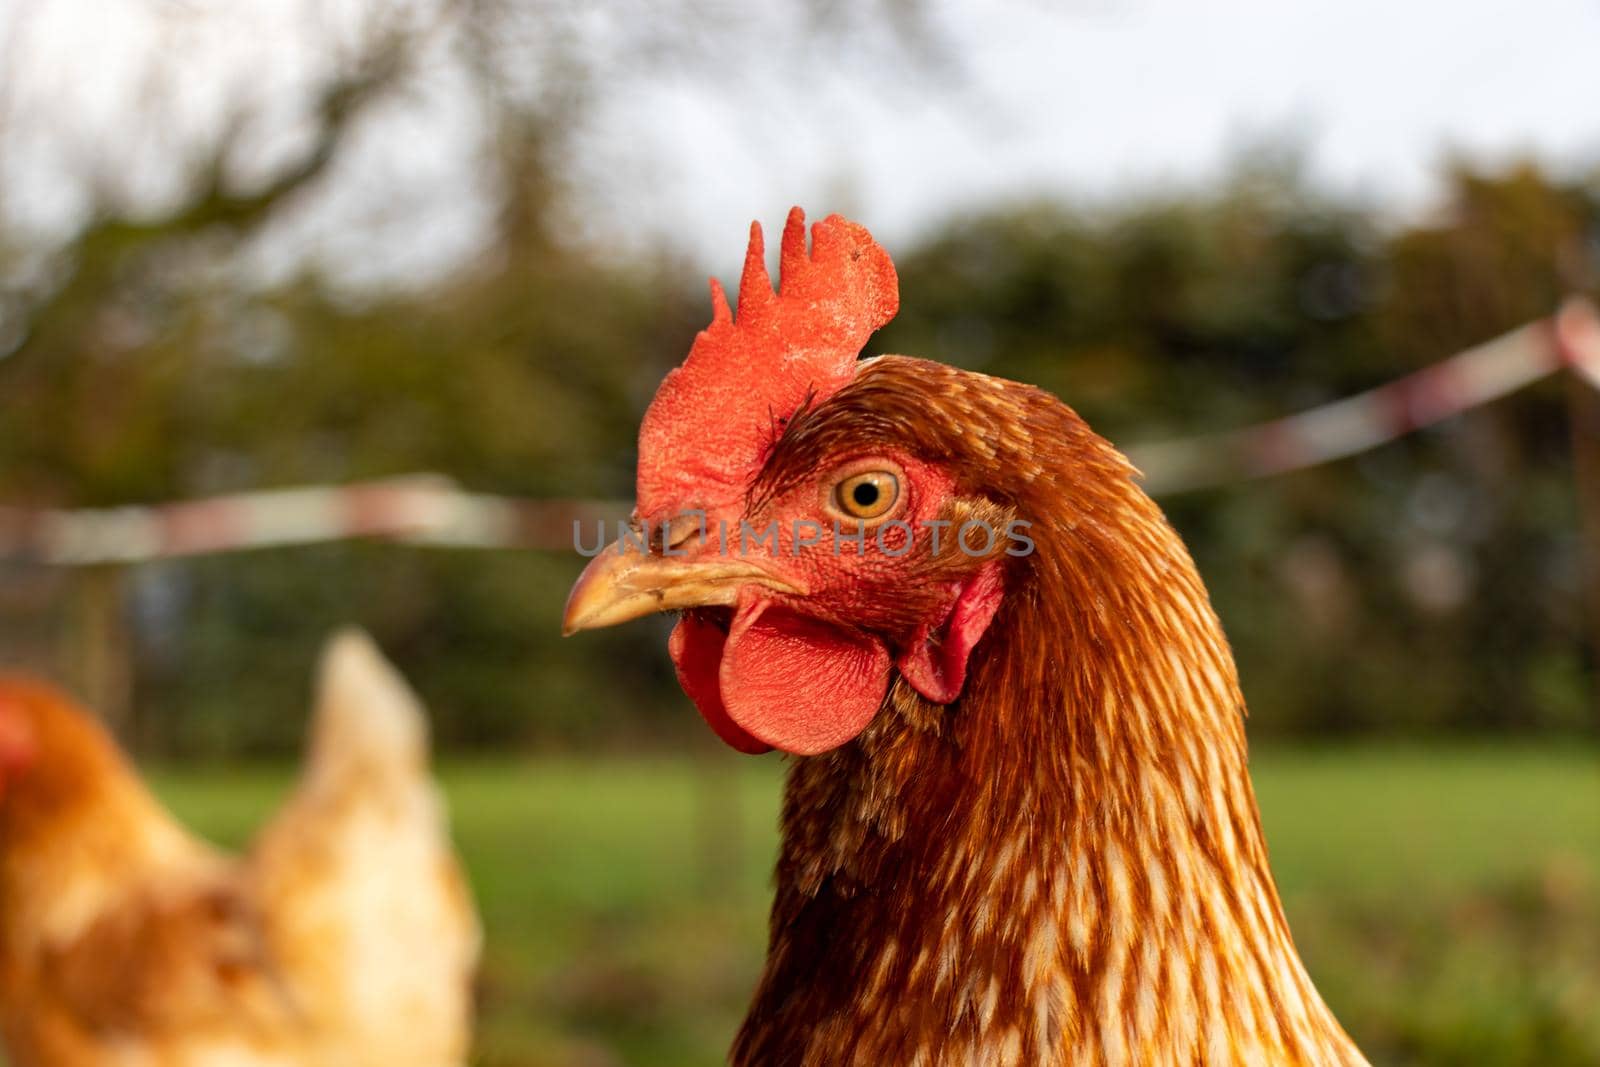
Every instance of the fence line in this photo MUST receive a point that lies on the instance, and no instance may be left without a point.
(431, 510)
(1456, 384)
(415, 509)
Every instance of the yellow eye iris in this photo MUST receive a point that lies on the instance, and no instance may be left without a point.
(868, 495)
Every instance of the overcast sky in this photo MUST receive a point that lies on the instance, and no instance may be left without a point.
(1094, 99)
(1086, 100)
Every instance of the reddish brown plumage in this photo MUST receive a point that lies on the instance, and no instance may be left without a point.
(948, 889)
(1038, 844)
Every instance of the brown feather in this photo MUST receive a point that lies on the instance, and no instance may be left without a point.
(1066, 865)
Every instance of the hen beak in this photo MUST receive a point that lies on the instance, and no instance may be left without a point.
(618, 586)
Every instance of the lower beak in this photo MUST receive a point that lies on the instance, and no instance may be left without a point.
(623, 584)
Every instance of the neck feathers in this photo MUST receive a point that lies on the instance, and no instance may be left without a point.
(1067, 865)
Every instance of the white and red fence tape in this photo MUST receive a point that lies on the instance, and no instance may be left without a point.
(430, 510)
(419, 509)
(1459, 383)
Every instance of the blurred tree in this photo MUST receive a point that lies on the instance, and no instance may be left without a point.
(148, 357)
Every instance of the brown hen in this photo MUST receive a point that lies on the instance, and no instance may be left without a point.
(1018, 828)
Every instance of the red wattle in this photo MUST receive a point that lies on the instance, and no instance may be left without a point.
(798, 684)
(696, 648)
(778, 679)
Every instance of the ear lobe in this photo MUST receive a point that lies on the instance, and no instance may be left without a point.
(936, 662)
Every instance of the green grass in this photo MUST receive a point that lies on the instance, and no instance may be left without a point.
(1446, 898)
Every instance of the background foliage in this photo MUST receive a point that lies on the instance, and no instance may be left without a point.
(1433, 584)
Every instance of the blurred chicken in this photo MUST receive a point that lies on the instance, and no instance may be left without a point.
(344, 938)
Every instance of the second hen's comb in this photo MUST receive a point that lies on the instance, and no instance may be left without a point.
(16, 738)
(713, 419)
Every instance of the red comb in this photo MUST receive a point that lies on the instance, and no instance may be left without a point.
(713, 419)
(16, 740)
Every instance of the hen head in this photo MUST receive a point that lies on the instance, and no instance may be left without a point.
(822, 522)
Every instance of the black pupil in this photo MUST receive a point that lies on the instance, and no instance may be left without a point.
(865, 494)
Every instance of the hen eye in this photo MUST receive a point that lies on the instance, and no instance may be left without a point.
(868, 495)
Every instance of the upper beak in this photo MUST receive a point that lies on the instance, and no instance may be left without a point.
(619, 585)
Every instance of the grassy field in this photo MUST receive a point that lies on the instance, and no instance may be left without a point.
(1447, 899)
